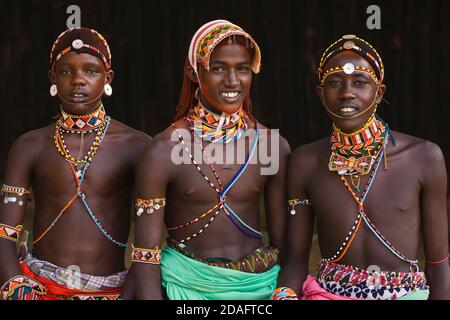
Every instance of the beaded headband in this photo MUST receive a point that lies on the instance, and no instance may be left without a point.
(81, 40)
(349, 68)
(210, 35)
(359, 46)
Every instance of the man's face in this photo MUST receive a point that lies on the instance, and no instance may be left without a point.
(80, 79)
(227, 83)
(350, 95)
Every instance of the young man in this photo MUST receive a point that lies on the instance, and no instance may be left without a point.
(373, 193)
(211, 208)
(80, 169)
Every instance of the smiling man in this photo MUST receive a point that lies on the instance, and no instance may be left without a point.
(211, 208)
(80, 169)
(373, 193)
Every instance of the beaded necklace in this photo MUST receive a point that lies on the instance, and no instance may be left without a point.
(78, 169)
(79, 123)
(217, 128)
(354, 154)
(221, 191)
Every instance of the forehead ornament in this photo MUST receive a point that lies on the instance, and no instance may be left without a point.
(77, 44)
(349, 68)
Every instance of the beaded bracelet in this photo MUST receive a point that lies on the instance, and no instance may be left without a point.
(144, 255)
(21, 287)
(284, 293)
(10, 233)
(295, 202)
(149, 205)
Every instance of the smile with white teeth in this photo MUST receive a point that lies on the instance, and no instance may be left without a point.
(230, 94)
(78, 95)
(347, 109)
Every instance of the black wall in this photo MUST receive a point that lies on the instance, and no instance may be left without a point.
(149, 41)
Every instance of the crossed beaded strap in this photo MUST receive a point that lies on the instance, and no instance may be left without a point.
(220, 191)
(230, 213)
(362, 216)
(79, 176)
(339, 255)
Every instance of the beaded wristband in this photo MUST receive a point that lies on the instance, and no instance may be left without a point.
(295, 202)
(149, 205)
(144, 255)
(10, 233)
(284, 293)
(22, 287)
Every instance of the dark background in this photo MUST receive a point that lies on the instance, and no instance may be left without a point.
(149, 42)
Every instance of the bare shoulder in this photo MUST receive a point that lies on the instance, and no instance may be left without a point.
(161, 147)
(285, 148)
(422, 150)
(32, 141)
(310, 154)
(131, 137)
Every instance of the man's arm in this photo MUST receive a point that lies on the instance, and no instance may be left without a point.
(434, 220)
(152, 175)
(12, 205)
(301, 224)
(275, 198)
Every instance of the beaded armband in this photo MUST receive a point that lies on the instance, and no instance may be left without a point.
(22, 288)
(295, 202)
(284, 293)
(149, 205)
(10, 233)
(437, 262)
(11, 194)
(143, 255)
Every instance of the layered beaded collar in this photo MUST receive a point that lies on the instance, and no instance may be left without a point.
(82, 123)
(354, 153)
(216, 128)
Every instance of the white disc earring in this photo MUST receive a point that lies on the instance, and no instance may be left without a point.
(108, 89)
(53, 90)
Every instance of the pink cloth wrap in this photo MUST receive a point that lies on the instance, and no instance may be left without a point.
(311, 290)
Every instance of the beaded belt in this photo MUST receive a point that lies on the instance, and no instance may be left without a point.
(259, 261)
(358, 283)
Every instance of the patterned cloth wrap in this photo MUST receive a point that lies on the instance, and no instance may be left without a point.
(259, 261)
(67, 284)
(348, 281)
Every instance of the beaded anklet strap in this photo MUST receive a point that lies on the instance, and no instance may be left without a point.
(146, 255)
(10, 233)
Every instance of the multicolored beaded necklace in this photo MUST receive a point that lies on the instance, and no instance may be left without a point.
(216, 128)
(79, 167)
(220, 190)
(353, 154)
(362, 216)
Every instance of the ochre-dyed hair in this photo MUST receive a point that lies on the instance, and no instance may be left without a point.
(187, 95)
